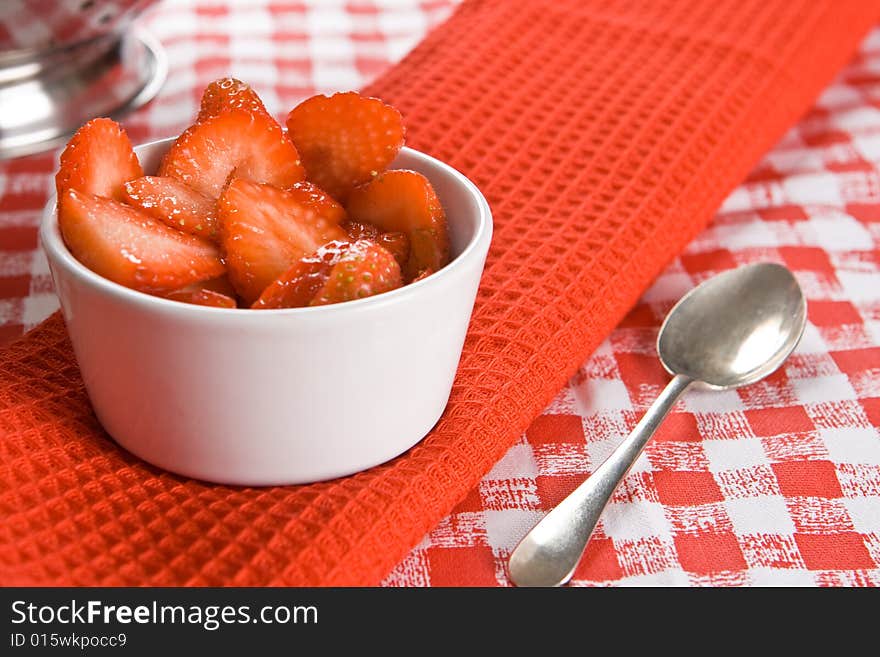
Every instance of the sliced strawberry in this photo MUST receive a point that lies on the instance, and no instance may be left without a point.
(173, 203)
(214, 292)
(98, 160)
(397, 244)
(363, 270)
(297, 286)
(220, 284)
(229, 93)
(422, 276)
(405, 201)
(264, 230)
(358, 231)
(234, 144)
(203, 297)
(319, 201)
(126, 246)
(345, 139)
(337, 272)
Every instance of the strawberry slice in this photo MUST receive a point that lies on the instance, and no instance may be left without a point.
(220, 284)
(124, 245)
(229, 93)
(360, 231)
(202, 297)
(216, 292)
(337, 272)
(404, 201)
(297, 286)
(263, 230)
(319, 201)
(397, 244)
(173, 203)
(363, 270)
(422, 276)
(234, 144)
(345, 139)
(98, 160)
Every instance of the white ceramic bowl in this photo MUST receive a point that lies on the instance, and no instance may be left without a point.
(275, 396)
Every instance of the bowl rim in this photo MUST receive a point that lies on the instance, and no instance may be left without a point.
(57, 252)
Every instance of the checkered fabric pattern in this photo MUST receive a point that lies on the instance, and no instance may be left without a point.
(774, 484)
(778, 483)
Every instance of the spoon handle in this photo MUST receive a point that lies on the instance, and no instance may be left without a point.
(549, 553)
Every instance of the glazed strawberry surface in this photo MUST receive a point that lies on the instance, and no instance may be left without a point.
(778, 483)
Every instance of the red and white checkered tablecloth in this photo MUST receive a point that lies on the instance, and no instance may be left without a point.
(774, 484)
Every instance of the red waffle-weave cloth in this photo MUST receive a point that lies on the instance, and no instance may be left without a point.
(604, 135)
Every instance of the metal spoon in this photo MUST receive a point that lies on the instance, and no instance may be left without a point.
(732, 330)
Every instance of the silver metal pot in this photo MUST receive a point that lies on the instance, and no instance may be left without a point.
(63, 62)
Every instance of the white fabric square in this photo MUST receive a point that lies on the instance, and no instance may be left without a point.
(329, 50)
(763, 576)
(852, 444)
(604, 349)
(759, 515)
(39, 264)
(839, 232)
(734, 454)
(736, 201)
(860, 285)
(169, 118)
(869, 146)
(635, 520)
(505, 528)
(813, 189)
(37, 307)
(398, 46)
(857, 119)
(326, 20)
(811, 341)
(564, 403)
(751, 234)
(698, 400)
(258, 74)
(178, 24)
(818, 285)
(594, 395)
(184, 80)
(518, 462)
(823, 389)
(865, 513)
(406, 19)
(669, 287)
(873, 328)
(330, 78)
(10, 311)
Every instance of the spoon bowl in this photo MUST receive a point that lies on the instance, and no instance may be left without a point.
(736, 328)
(733, 330)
